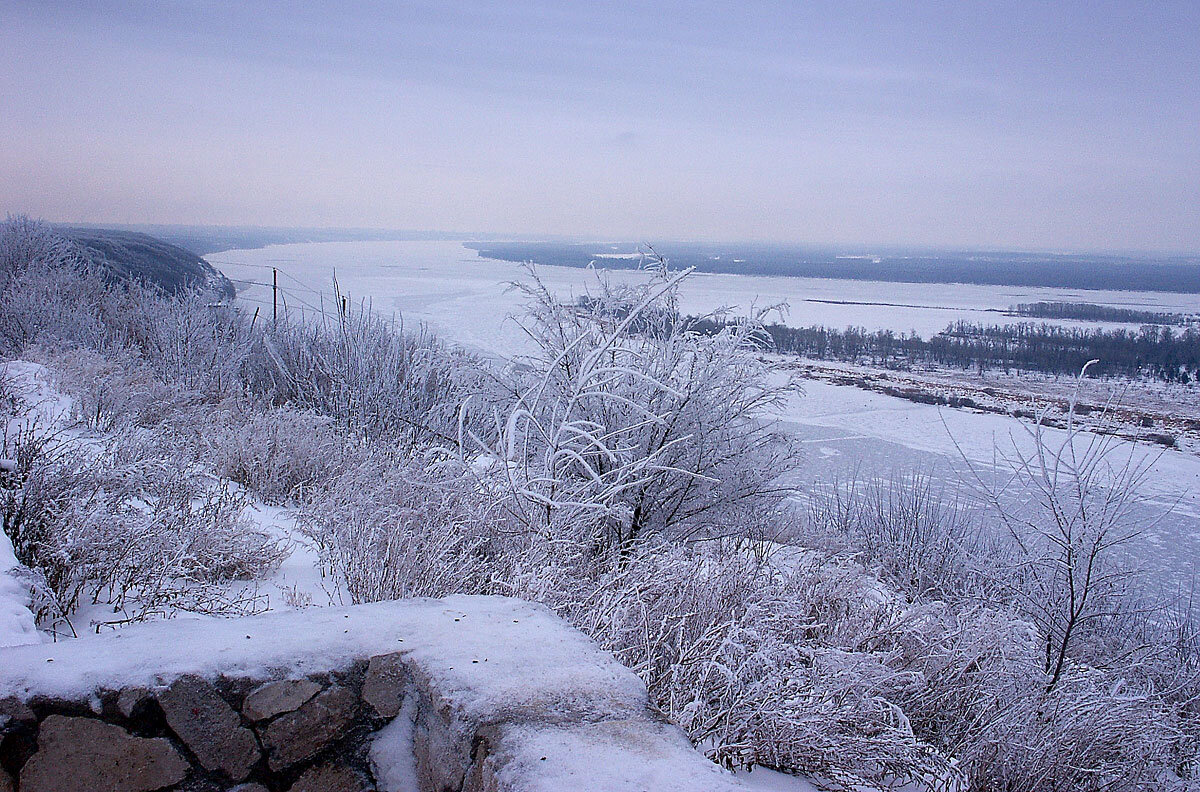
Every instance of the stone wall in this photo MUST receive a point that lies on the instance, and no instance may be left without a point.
(298, 734)
(475, 694)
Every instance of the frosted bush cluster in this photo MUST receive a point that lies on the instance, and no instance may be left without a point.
(627, 476)
(127, 528)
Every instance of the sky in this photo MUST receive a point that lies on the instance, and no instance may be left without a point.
(1032, 125)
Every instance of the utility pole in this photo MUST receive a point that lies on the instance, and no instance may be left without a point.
(274, 296)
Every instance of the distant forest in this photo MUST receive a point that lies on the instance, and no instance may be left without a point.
(1156, 352)
(1096, 313)
(997, 268)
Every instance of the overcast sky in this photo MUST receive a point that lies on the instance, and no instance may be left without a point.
(1047, 125)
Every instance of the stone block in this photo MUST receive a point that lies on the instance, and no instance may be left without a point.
(89, 754)
(130, 699)
(14, 712)
(383, 688)
(331, 778)
(299, 735)
(209, 727)
(275, 698)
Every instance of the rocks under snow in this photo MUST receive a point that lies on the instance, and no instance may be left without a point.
(465, 694)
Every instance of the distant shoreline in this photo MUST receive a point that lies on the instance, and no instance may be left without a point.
(1172, 274)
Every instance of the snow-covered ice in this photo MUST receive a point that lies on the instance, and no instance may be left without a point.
(462, 295)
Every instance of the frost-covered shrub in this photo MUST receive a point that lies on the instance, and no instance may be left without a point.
(918, 535)
(193, 343)
(756, 661)
(395, 527)
(984, 699)
(374, 380)
(112, 391)
(626, 423)
(136, 533)
(47, 292)
(279, 454)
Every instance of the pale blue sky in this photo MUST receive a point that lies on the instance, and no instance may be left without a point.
(1043, 125)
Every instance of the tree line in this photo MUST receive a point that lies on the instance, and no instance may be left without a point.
(1091, 312)
(1162, 353)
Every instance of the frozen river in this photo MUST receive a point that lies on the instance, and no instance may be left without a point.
(847, 431)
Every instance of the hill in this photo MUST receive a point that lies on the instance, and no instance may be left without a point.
(130, 254)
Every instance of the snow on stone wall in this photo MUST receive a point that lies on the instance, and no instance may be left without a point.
(463, 693)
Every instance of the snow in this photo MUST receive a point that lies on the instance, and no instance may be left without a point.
(17, 626)
(393, 762)
(495, 660)
(298, 583)
(581, 757)
(476, 648)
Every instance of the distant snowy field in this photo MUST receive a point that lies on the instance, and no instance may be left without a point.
(849, 431)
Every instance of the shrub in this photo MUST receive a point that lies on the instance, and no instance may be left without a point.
(371, 379)
(135, 532)
(918, 535)
(627, 424)
(280, 454)
(756, 662)
(394, 527)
